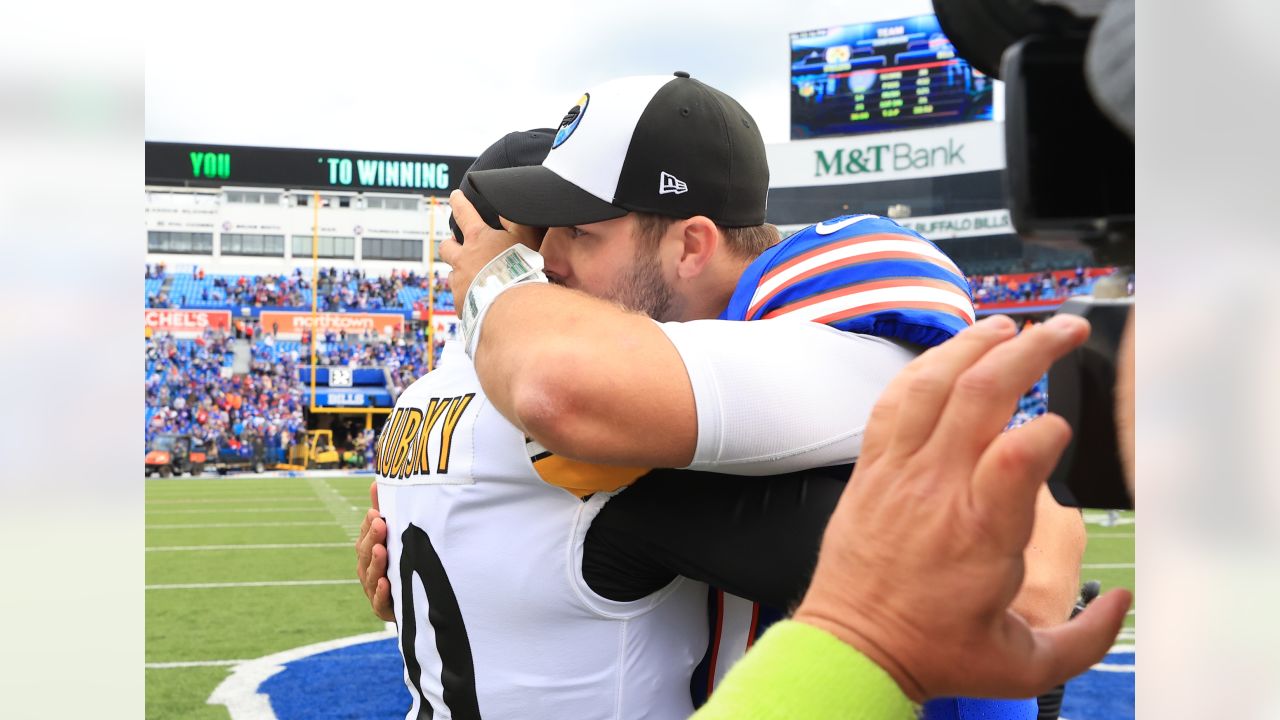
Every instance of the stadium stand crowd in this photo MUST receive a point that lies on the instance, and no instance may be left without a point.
(1031, 287)
(1032, 405)
(401, 355)
(401, 291)
(191, 387)
(340, 290)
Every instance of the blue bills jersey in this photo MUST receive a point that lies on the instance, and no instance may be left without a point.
(861, 273)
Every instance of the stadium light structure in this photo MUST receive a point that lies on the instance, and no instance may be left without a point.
(315, 290)
(431, 287)
(312, 407)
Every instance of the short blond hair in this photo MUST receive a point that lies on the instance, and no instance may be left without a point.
(747, 241)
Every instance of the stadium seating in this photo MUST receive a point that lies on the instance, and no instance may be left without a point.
(153, 286)
(348, 291)
(1033, 404)
(341, 290)
(1011, 290)
(189, 388)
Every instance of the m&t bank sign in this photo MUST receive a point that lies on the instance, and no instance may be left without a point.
(883, 157)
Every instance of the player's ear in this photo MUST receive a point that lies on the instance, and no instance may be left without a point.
(700, 240)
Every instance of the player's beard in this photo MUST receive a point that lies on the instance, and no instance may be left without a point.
(643, 288)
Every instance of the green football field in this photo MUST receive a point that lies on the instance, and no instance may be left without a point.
(1109, 560)
(237, 569)
(241, 568)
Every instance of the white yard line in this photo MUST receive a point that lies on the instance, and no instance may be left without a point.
(1100, 536)
(1119, 667)
(275, 546)
(191, 664)
(344, 513)
(197, 501)
(269, 583)
(1107, 566)
(206, 511)
(1099, 518)
(201, 526)
(1116, 667)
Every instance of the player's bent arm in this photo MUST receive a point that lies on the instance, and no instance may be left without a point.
(607, 386)
(746, 398)
(777, 396)
(754, 537)
(1051, 580)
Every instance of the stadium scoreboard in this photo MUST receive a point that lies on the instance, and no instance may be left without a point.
(204, 165)
(875, 77)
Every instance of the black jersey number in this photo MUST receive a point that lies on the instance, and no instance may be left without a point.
(458, 676)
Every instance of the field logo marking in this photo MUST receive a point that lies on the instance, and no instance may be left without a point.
(239, 692)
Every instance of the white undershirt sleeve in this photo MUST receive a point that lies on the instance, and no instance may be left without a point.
(781, 395)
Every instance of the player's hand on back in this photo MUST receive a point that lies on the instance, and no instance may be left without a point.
(483, 243)
(371, 559)
(924, 553)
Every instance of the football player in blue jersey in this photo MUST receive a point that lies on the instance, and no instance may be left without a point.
(676, 232)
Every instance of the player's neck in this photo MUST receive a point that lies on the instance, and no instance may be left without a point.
(708, 294)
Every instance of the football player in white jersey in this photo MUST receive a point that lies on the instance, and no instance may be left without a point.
(746, 398)
(521, 567)
(463, 490)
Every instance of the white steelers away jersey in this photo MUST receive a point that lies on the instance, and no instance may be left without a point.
(494, 617)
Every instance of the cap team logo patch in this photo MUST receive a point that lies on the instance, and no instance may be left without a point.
(571, 120)
(669, 184)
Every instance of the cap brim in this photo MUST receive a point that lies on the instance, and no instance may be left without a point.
(536, 196)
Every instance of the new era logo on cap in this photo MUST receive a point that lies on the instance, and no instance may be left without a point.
(668, 183)
(703, 147)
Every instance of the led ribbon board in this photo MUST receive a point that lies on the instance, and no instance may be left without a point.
(203, 165)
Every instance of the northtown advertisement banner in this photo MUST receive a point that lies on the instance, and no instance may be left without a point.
(883, 157)
(185, 323)
(291, 324)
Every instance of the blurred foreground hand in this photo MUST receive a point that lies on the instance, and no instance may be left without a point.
(925, 550)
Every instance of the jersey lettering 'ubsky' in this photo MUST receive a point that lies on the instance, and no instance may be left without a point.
(859, 273)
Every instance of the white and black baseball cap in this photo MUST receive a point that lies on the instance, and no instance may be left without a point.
(516, 149)
(662, 144)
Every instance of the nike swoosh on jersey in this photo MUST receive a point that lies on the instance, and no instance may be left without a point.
(826, 228)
